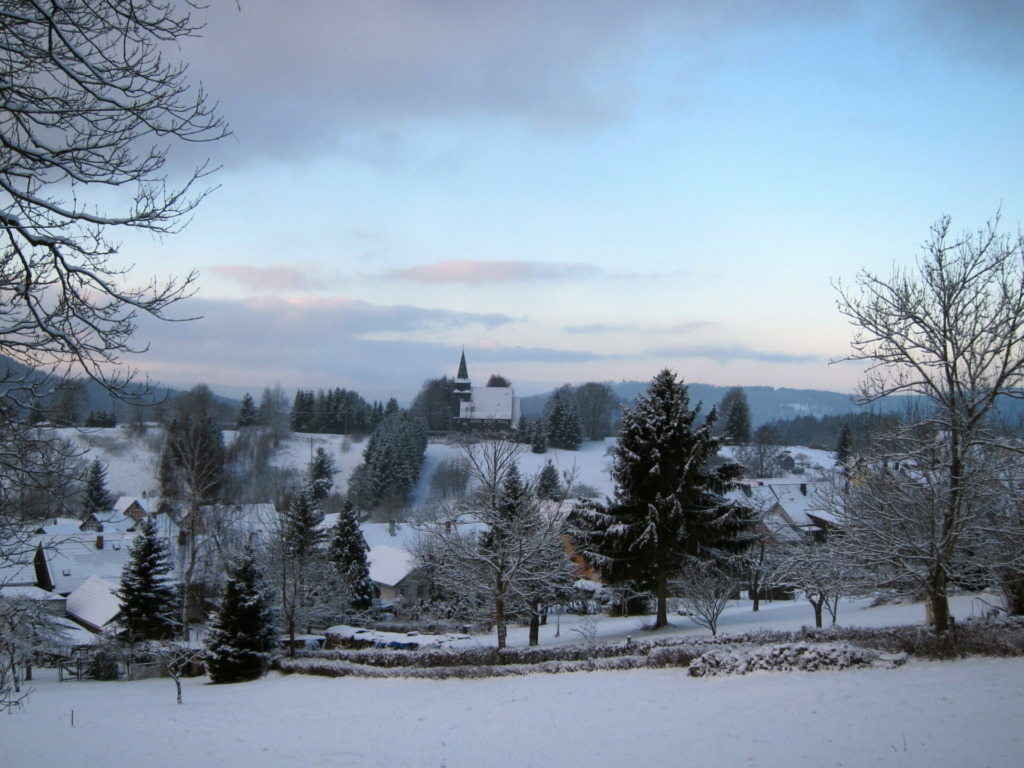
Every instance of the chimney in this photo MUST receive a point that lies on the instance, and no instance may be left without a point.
(99, 540)
(803, 488)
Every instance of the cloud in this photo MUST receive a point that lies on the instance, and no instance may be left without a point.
(727, 354)
(480, 272)
(295, 77)
(277, 277)
(690, 327)
(601, 328)
(319, 343)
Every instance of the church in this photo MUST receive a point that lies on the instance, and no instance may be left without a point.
(482, 408)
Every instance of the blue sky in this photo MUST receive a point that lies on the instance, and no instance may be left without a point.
(575, 191)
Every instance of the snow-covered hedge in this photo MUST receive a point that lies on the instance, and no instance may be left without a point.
(845, 648)
(804, 657)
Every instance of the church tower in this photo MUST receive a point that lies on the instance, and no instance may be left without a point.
(463, 388)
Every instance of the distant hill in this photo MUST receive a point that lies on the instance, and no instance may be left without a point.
(91, 396)
(769, 404)
(766, 403)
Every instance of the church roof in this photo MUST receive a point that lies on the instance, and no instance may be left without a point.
(463, 374)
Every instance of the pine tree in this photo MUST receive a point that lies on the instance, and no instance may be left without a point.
(97, 498)
(148, 599)
(563, 425)
(736, 412)
(844, 446)
(347, 552)
(243, 633)
(248, 415)
(549, 485)
(320, 475)
(538, 437)
(668, 510)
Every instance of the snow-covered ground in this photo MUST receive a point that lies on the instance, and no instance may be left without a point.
(935, 714)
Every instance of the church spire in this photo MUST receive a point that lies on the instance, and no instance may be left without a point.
(463, 375)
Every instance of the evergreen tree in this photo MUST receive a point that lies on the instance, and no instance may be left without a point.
(301, 526)
(248, 415)
(434, 403)
(347, 552)
(538, 437)
(320, 475)
(97, 498)
(192, 462)
(549, 485)
(563, 424)
(148, 599)
(668, 511)
(736, 413)
(243, 633)
(844, 446)
(392, 461)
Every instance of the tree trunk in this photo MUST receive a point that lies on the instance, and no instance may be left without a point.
(534, 625)
(499, 619)
(939, 602)
(662, 592)
(817, 613)
(1013, 592)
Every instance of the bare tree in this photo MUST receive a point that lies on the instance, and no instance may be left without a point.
(28, 627)
(92, 100)
(705, 589)
(951, 331)
(821, 571)
(500, 549)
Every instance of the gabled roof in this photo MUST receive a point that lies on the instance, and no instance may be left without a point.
(389, 565)
(94, 603)
(71, 559)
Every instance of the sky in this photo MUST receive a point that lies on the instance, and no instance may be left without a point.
(574, 191)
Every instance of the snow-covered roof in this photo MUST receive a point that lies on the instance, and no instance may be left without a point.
(32, 593)
(71, 559)
(61, 525)
(149, 504)
(94, 603)
(399, 535)
(389, 565)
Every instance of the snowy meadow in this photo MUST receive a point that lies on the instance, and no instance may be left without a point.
(961, 713)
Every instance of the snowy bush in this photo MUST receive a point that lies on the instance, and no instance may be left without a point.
(805, 657)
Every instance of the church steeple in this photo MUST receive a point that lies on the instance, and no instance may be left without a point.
(463, 392)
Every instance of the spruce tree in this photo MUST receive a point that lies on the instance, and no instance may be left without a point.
(347, 552)
(243, 633)
(563, 425)
(320, 475)
(538, 437)
(668, 511)
(736, 412)
(844, 446)
(148, 599)
(549, 485)
(97, 498)
(248, 415)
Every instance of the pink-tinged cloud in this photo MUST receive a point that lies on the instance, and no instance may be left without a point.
(470, 272)
(276, 278)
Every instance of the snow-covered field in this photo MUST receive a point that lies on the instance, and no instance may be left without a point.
(936, 714)
(963, 713)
